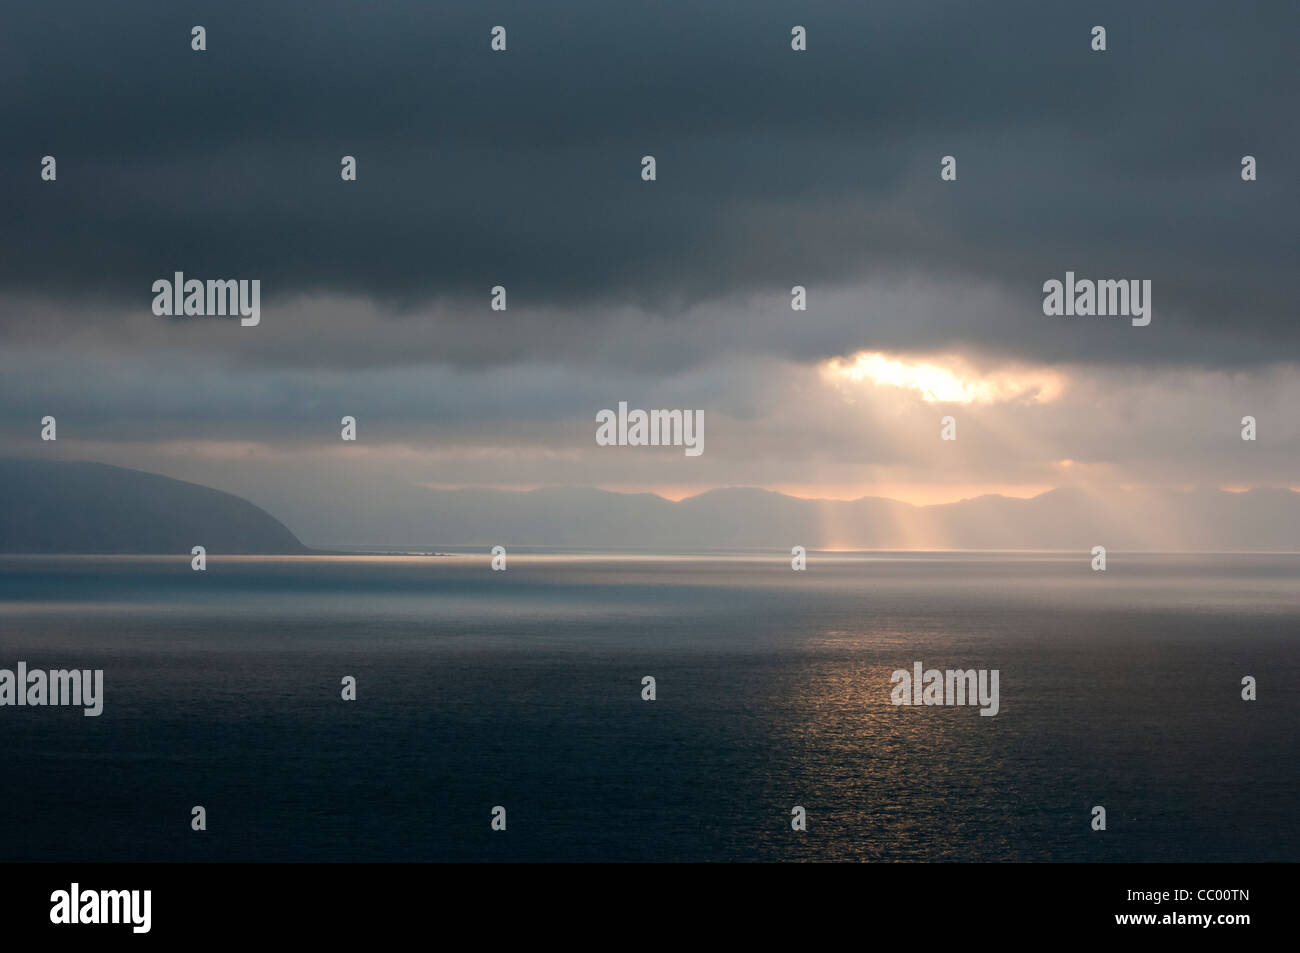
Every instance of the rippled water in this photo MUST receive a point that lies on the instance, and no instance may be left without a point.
(523, 689)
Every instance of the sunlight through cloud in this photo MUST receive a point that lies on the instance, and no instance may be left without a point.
(945, 380)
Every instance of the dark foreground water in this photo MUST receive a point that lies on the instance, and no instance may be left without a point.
(523, 689)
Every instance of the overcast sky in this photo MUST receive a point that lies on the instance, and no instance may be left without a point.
(775, 168)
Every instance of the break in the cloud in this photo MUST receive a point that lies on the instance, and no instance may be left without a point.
(775, 169)
(811, 429)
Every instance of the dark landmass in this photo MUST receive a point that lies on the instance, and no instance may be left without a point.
(66, 507)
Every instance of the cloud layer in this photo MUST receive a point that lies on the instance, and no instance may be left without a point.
(775, 168)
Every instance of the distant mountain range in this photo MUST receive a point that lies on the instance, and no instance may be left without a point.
(52, 507)
(746, 518)
(56, 507)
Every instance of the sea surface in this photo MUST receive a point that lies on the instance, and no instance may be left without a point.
(523, 689)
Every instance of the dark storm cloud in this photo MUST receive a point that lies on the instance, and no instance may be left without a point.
(775, 168)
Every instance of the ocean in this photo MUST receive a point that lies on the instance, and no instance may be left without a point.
(523, 689)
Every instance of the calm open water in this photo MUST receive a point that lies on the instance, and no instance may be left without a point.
(523, 689)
